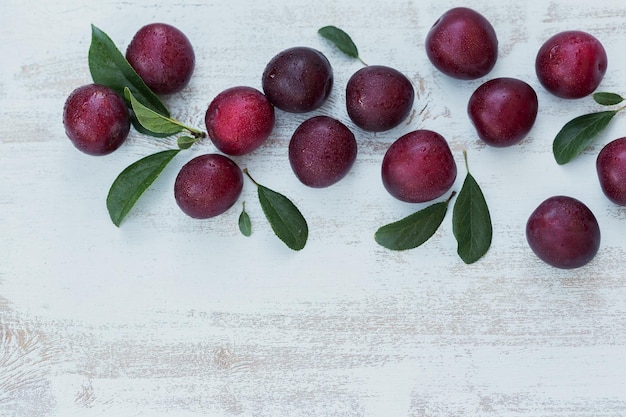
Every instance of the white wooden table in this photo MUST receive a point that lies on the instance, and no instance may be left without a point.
(171, 316)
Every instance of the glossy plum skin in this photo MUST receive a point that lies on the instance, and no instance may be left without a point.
(208, 185)
(462, 44)
(418, 167)
(96, 119)
(379, 98)
(298, 79)
(503, 111)
(563, 232)
(162, 56)
(321, 151)
(571, 64)
(611, 169)
(239, 120)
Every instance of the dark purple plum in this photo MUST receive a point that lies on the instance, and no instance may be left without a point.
(239, 120)
(611, 169)
(162, 56)
(462, 44)
(208, 185)
(321, 151)
(379, 98)
(418, 167)
(298, 79)
(563, 232)
(96, 119)
(571, 64)
(503, 111)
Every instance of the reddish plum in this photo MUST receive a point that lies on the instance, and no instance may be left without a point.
(611, 169)
(208, 185)
(321, 151)
(571, 64)
(418, 167)
(503, 111)
(298, 79)
(379, 98)
(462, 44)
(96, 119)
(239, 120)
(162, 56)
(563, 232)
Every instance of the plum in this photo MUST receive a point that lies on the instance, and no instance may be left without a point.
(611, 169)
(503, 110)
(208, 185)
(239, 120)
(321, 151)
(96, 119)
(563, 232)
(571, 64)
(462, 44)
(418, 167)
(162, 56)
(298, 79)
(379, 98)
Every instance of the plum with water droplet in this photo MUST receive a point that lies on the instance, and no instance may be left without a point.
(503, 111)
(379, 98)
(563, 232)
(298, 79)
(571, 64)
(418, 167)
(96, 119)
(208, 185)
(462, 44)
(162, 56)
(611, 169)
(321, 151)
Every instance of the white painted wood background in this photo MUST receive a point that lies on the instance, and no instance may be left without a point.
(170, 316)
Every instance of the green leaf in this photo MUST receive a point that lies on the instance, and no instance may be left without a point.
(340, 39)
(579, 133)
(607, 99)
(133, 181)
(151, 120)
(110, 68)
(471, 221)
(245, 225)
(185, 142)
(286, 220)
(413, 230)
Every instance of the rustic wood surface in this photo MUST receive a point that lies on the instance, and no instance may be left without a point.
(170, 316)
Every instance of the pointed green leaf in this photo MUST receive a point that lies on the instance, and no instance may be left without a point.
(579, 133)
(607, 99)
(471, 221)
(340, 39)
(133, 181)
(151, 120)
(413, 230)
(109, 67)
(286, 220)
(185, 142)
(245, 225)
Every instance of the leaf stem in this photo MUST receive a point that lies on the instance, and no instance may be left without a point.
(451, 197)
(197, 134)
(465, 158)
(245, 171)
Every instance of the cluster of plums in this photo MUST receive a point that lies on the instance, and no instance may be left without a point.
(417, 167)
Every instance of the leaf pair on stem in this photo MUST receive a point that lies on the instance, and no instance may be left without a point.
(582, 131)
(471, 223)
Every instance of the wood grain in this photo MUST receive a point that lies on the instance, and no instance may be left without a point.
(170, 316)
